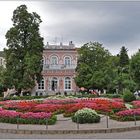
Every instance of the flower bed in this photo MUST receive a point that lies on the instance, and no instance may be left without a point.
(68, 106)
(136, 104)
(10, 116)
(127, 115)
(30, 111)
(103, 106)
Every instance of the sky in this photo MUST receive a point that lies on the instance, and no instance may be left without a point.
(111, 23)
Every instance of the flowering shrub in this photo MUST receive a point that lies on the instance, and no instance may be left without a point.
(39, 115)
(127, 115)
(117, 99)
(130, 112)
(136, 104)
(10, 116)
(47, 108)
(22, 106)
(58, 101)
(102, 105)
(86, 115)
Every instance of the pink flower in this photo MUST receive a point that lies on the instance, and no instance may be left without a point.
(39, 115)
(130, 112)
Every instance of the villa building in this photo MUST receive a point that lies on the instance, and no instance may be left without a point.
(59, 63)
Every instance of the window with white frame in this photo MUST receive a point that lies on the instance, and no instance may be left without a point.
(67, 83)
(54, 60)
(41, 84)
(67, 60)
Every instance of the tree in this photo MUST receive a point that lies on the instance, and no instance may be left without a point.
(124, 59)
(111, 74)
(25, 49)
(91, 63)
(135, 68)
(123, 70)
(2, 86)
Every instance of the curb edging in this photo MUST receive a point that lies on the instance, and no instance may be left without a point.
(108, 130)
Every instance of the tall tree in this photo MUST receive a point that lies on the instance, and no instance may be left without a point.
(135, 68)
(25, 49)
(124, 58)
(123, 69)
(91, 63)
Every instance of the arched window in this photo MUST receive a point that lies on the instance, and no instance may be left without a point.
(67, 83)
(67, 60)
(54, 60)
(41, 84)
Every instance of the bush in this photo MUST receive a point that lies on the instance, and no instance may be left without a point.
(111, 95)
(128, 96)
(51, 120)
(86, 115)
(25, 97)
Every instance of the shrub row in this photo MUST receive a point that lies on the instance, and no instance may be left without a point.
(50, 121)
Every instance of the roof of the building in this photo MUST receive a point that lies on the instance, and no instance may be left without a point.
(61, 46)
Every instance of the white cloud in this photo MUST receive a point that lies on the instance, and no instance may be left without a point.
(112, 24)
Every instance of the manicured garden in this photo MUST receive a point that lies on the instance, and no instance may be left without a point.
(81, 110)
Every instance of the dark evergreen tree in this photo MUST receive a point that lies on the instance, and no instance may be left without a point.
(124, 58)
(25, 48)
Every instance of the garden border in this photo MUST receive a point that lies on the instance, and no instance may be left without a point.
(108, 130)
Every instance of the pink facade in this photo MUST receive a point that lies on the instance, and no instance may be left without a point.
(59, 63)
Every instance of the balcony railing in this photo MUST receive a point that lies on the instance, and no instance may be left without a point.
(58, 67)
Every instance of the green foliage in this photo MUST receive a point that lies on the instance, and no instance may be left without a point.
(24, 53)
(51, 121)
(135, 68)
(2, 86)
(128, 96)
(86, 115)
(111, 95)
(91, 63)
(123, 79)
(124, 59)
(124, 118)
(25, 97)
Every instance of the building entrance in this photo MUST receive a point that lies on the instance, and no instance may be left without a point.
(54, 84)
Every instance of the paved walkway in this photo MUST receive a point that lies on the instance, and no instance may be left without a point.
(122, 135)
(67, 124)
